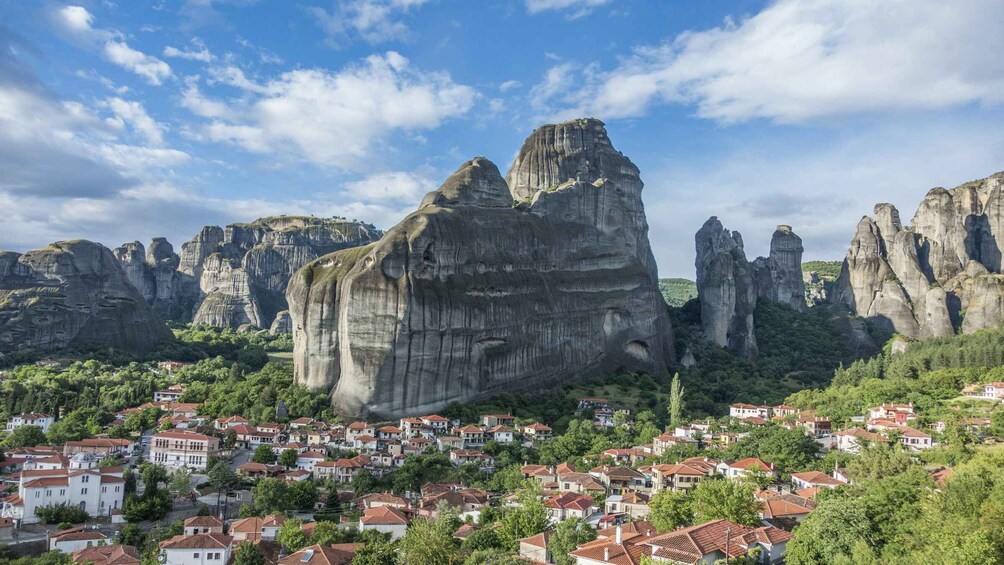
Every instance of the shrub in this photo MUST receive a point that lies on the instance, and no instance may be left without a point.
(59, 513)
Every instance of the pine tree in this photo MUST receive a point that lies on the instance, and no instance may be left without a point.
(675, 402)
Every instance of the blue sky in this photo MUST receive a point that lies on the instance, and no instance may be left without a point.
(129, 120)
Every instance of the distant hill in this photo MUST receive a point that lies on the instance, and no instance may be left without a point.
(677, 291)
(827, 270)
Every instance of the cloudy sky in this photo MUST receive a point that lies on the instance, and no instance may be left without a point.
(128, 120)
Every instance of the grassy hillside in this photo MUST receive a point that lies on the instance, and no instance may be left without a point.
(827, 270)
(677, 291)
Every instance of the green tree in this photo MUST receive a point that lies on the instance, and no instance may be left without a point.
(493, 557)
(485, 538)
(676, 404)
(788, 450)
(669, 510)
(270, 496)
(527, 519)
(248, 554)
(222, 476)
(180, 483)
(152, 474)
(291, 535)
(429, 542)
(569, 535)
(230, 439)
(264, 454)
(829, 532)
(25, 436)
(131, 534)
(303, 495)
(288, 458)
(725, 499)
(376, 553)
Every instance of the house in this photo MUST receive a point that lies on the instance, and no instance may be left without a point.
(743, 411)
(98, 491)
(250, 437)
(631, 502)
(534, 548)
(445, 443)
(492, 420)
(74, 539)
(783, 411)
(677, 477)
(618, 479)
(254, 528)
(472, 436)
(357, 429)
(31, 419)
(815, 426)
(629, 456)
(200, 549)
(992, 391)
(389, 432)
(229, 422)
(302, 423)
(307, 460)
(344, 469)
(377, 499)
(900, 413)
(468, 501)
(436, 423)
(784, 508)
(541, 473)
(582, 483)
(258, 470)
(585, 403)
(335, 554)
(411, 427)
(384, 519)
(744, 467)
(621, 549)
(537, 432)
(31, 458)
(176, 449)
(810, 479)
(170, 394)
(99, 446)
(172, 366)
(462, 456)
(570, 505)
(718, 539)
(500, 434)
(203, 525)
(851, 439)
(663, 442)
(107, 555)
(914, 439)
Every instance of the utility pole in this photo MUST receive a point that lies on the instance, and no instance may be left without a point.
(728, 534)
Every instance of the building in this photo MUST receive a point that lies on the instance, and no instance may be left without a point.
(899, 413)
(851, 439)
(32, 419)
(744, 467)
(200, 549)
(537, 432)
(308, 460)
(492, 420)
(170, 394)
(107, 555)
(97, 491)
(176, 449)
(334, 554)
(785, 509)
(677, 477)
(718, 539)
(743, 411)
(914, 439)
(75, 539)
(229, 422)
(570, 505)
(384, 519)
(632, 503)
(810, 479)
(100, 446)
(203, 525)
(624, 548)
(534, 548)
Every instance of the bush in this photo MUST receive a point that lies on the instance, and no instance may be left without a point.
(59, 513)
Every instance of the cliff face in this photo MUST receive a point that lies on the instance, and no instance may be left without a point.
(229, 277)
(937, 276)
(72, 292)
(729, 286)
(472, 295)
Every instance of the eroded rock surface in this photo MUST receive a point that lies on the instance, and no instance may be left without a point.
(73, 292)
(473, 295)
(937, 276)
(729, 286)
(228, 277)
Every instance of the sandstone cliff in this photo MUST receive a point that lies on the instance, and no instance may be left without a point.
(69, 293)
(229, 277)
(937, 276)
(473, 295)
(729, 286)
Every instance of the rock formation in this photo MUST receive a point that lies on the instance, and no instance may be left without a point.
(228, 277)
(282, 324)
(937, 276)
(729, 286)
(72, 292)
(472, 294)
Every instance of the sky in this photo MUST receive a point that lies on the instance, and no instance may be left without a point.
(124, 121)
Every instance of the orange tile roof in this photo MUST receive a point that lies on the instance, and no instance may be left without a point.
(383, 515)
(198, 541)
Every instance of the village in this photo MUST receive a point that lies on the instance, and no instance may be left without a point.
(612, 496)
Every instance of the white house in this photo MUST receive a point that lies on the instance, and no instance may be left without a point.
(384, 519)
(177, 449)
(75, 539)
(306, 461)
(914, 439)
(200, 549)
(744, 411)
(96, 491)
(38, 420)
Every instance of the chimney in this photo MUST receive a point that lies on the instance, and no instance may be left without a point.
(618, 537)
(606, 554)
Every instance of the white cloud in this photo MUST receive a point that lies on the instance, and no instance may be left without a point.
(362, 104)
(576, 8)
(801, 59)
(509, 85)
(199, 52)
(406, 188)
(76, 21)
(374, 21)
(200, 105)
(134, 114)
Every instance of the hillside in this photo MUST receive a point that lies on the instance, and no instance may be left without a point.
(677, 291)
(827, 270)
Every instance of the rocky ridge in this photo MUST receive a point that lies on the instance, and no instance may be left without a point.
(490, 286)
(237, 275)
(940, 275)
(729, 286)
(73, 292)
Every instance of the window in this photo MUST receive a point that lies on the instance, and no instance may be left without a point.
(85, 478)
(104, 489)
(195, 555)
(117, 489)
